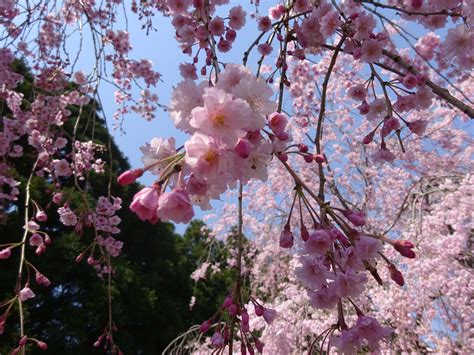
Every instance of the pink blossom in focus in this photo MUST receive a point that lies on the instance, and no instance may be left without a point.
(175, 206)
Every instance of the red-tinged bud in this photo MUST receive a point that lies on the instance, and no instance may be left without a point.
(286, 238)
(245, 321)
(42, 345)
(319, 158)
(41, 249)
(304, 233)
(23, 340)
(259, 345)
(258, 310)
(96, 343)
(203, 71)
(303, 148)
(47, 240)
(243, 148)
(396, 275)
(79, 258)
(227, 302)
(364, 107)
(91, 261)
(129, 177)
(57, 198)
(42, 280)
(41, 216)
(5, 253)
(308, 158)
(233, 310)
(356, 218)
(404, 247)
(225, 334)
(368, 138)
(250, 349)
(283, 157)
(205, 326)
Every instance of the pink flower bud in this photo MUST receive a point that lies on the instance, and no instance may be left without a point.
(205, 326)
(258, 310)
(129, 177)
(233, 310)
(243, 148)
(364, 108)
(42, 280)
(319, 158)
(404, 247)
(96, 343)
(250, 349)
(259, 345)
(356, 218)
(368, 138)
(57, 198)
(47, 240)
(303, 148)
(42, 345)
(23, 340)
(283, 157)
(396, 275)
(245, 321)
(277, 122)
(79, 258)
(308, 158)
(286, 238)
(41, 216)
(304, 233)
(227, 302)
(5, 253)
(41, 249)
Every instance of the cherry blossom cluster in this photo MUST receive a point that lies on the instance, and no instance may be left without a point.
(227, 122)
(239, 316)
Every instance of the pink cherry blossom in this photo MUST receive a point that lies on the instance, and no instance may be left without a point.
(145, 203)
(175, 206)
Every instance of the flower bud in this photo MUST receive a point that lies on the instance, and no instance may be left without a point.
(286, 238)
(404, 247)
(319, 158)
(368, 138)
(205, 326)
(41, 216)
(129, 177)
(243, 148)
(396, 275)
(5, 253)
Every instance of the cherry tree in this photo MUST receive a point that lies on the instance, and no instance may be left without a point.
(340, 143)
